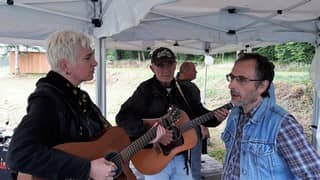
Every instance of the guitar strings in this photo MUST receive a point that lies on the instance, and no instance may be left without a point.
(132, 148)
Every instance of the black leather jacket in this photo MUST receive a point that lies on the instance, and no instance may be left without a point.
(151, 100)
(57, 113)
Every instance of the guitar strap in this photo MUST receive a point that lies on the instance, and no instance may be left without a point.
(184, 98)
(190, 109)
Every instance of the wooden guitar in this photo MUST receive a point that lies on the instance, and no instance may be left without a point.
(151, 161)
(114, 145)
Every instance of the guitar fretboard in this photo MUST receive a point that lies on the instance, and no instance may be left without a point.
(138, 144)
(196, 122)
(144, 140)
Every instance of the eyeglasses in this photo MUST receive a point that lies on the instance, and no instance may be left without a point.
(240, 79)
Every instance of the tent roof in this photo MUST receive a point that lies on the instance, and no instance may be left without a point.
(31, 21)
(195, 25)
(222, 25)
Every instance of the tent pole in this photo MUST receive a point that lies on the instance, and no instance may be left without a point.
(315, 121)
(316, 101)
(100, 75)
(205, 84)
(16, 61)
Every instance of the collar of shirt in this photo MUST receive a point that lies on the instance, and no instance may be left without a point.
(250, 114)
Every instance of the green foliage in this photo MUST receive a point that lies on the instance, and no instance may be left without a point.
(147, 54)
(295, 52)
(268, 51)
(224, 57)
(111, 55)
(289, 52)
(181, 57)
(218, 154)
(115, 55)
(283, 54)
(122, 54)
(189, 57)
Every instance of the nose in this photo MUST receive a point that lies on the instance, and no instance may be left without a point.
(231, 84)
(166, 68)
(94, 62)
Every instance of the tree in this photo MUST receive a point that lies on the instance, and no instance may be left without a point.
(289, 52)
(294, 52)
(268, 51)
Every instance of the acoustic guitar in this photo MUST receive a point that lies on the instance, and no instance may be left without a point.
(151, 161)
(114, 145)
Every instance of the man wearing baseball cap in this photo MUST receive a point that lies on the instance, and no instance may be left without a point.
(151, 100)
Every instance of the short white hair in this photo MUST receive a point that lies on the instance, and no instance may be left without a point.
(65, 45)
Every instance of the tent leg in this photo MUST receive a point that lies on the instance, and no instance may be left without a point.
(100, 75)
(315, 122)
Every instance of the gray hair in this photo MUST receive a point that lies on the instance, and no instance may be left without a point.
(65, 45)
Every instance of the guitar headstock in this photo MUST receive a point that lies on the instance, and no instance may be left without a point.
(171, 117)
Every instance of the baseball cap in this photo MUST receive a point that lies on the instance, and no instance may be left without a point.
(163, 55)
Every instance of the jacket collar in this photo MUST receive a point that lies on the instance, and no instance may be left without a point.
(158, 89)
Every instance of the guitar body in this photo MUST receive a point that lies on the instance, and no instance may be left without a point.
(151, 161)
(113, 140)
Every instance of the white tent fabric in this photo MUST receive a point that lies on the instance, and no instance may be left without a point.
(222, 25)
(186, 46)
(30, 21)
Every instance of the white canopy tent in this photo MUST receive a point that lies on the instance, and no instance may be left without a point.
(187, 26)
(30, 21)
(222, 25)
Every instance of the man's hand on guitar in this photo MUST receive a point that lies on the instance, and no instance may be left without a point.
(161, 131)
(102, 169)
(166, 138)
(204, 132)
(221, 113)
(163, 136)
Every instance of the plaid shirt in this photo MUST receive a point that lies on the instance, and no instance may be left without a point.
(292, 145)
(233, 172)
(301, 157)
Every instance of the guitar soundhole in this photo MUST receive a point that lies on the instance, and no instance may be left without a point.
(175, 132)
(116, 159)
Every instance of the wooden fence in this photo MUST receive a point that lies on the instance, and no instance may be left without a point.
(29, 62)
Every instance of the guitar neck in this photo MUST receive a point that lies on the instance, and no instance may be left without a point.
(204, 118)
(196, 122)
(144, 140)
(138, 144)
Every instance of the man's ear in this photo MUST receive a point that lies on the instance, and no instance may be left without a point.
(151, 67)
(263, 86)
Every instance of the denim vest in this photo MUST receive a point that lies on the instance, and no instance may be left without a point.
(259, 158)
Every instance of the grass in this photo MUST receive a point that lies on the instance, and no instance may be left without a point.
(218, 153)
